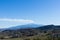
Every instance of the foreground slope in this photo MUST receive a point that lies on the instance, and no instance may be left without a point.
(42, 32)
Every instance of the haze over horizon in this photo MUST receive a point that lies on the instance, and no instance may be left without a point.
(19, 12)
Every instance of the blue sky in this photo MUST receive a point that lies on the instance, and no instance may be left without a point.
(29, 11)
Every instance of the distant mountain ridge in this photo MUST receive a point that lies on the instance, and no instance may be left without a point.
(49, 27)
(24, 26)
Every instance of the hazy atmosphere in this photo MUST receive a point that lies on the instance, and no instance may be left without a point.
(29, 19)
(18, 12)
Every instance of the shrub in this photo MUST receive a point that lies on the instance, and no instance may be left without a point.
(1, 37)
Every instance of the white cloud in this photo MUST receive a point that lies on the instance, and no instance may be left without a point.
(16, 20)
(5, 22)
